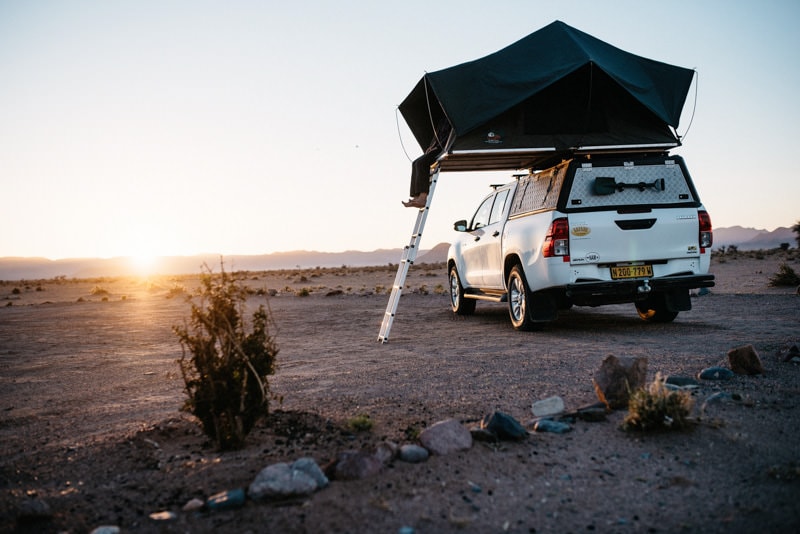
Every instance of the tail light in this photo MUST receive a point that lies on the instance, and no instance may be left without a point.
(706, 238)
(556, 243)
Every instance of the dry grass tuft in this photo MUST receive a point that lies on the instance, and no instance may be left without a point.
(656, 407)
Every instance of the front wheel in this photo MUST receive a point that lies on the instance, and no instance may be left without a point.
(458, 303)
(654, 309)
(519, 300)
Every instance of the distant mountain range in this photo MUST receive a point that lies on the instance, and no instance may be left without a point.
(752, 238)
(42, 268)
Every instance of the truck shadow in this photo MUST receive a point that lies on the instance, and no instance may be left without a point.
(612, 318)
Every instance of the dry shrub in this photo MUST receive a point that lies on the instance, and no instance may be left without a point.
(784, 277)
(656, 407)
(224, 368)
(99, 291)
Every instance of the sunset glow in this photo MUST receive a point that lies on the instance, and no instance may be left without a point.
(144, 263)
(262, 127)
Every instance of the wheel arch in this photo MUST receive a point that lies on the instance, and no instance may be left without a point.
(508, 263)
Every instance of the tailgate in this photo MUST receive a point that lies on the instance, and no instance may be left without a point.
(611, 237)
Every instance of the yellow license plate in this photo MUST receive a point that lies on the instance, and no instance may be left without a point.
(632, 271)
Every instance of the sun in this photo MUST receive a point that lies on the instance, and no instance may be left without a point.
(143, 256)
(144, 262)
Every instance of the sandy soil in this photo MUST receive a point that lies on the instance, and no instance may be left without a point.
(90, 422)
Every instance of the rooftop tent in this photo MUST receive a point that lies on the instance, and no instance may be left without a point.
(554, 92)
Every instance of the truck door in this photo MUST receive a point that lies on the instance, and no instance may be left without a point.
(491, 244)
(471, 251)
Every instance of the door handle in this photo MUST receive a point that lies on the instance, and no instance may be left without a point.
(496, 233)
(477, 238)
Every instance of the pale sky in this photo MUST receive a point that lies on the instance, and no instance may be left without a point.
(248, 127)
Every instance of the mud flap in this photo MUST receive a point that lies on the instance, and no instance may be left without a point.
(677, 300)
(543, 307)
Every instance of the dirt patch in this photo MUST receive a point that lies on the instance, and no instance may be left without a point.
(90, 422)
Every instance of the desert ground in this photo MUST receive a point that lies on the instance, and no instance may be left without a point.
(91, 431)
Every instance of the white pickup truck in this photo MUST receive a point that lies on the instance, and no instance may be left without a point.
(587, 232)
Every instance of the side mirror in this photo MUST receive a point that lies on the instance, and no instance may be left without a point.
(460, 226)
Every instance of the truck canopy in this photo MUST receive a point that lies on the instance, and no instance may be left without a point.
(555, 92)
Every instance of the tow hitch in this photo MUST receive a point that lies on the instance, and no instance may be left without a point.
(645, 287)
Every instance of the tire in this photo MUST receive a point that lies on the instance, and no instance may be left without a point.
(654, 309)
(519, 299)
(458, 303)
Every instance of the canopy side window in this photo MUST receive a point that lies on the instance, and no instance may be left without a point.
(539, 191)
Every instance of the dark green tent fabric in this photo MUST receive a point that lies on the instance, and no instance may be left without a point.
(558, 87)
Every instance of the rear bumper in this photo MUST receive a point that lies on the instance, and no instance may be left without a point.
(638, 287)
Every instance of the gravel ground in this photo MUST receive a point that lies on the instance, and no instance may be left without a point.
(90, 422)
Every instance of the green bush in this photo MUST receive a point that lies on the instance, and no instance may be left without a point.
(360, 423)
(224, 368)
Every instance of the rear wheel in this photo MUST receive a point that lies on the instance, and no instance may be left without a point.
(458, 303)
(654, 309)
(519, 300)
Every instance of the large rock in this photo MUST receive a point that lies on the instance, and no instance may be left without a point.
(745, 361)
(282, 480)
(617, 378)
(445, 437)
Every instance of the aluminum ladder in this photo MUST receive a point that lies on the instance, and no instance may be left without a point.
(406, 261)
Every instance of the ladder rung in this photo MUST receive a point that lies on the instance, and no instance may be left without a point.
(407, 259)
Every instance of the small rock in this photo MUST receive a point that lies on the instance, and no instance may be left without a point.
(227, 500)
(106, 529)
(445, 437)
(681, 381)
(719, 397)
(386, 452)
(164, 515)
(355, 465)
(413, 454)
(548, 425)
(745, 361)
(547, 407)
(504, 426)
(715, 373)
(592, 413)
(792, 354)
(617, 378)
(482, 434)
(193, 505)
(33, 510)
